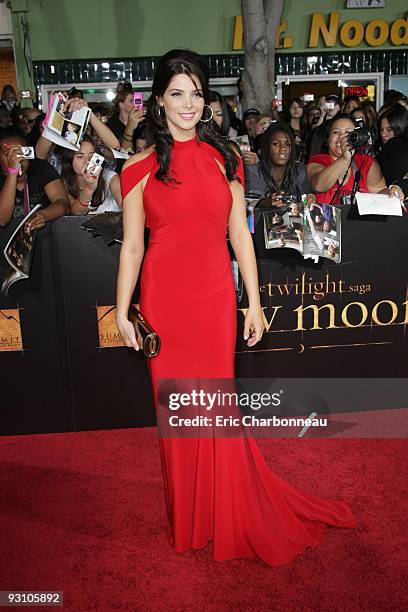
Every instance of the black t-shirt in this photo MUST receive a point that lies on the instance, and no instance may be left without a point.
(116, 126)
(393, 160)
(39, 174)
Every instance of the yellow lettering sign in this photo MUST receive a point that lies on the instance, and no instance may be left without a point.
(376, 32)
(399, 32)
(351, 33)
(238, 40)
(325, 29)
(319, 28)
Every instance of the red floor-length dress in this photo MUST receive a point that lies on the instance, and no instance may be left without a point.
(216, 489)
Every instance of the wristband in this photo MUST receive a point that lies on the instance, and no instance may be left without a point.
(127, 135)
(14, 170)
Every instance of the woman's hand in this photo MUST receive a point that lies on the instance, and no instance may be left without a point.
(395, 190)
(14, 156)
(346, 148)
(276, 200)
(254, 325)
(130, 336)
(75, 104)
(36, 222)
(249, 157)
(136, 116)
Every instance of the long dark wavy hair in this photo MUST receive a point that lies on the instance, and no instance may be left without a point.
(302, 120)
(397, 117)
(186, 62)
(71, 181)
(265, 159)
(214, 96)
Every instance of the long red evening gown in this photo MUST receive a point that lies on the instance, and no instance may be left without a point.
(220, 489)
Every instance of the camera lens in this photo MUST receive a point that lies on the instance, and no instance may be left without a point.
(360, 137)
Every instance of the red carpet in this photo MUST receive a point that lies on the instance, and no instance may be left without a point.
(84, 513)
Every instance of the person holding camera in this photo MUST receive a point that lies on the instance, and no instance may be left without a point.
(45, 149)
(332, 173)
(125, 118)
(25, 183)
(88, 193)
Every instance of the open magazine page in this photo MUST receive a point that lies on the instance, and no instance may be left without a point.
(19, 253)
(322, 236)
(65, 128)
(283, 227)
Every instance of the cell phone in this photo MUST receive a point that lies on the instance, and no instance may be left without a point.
(28, 152)
(329, 105)
(138, 100)
(308, 98)
(95, 164)
(26, 94)
(276, 103)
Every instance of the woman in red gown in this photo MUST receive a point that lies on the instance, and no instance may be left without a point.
(187, 190)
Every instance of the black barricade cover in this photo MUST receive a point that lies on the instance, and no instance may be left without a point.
(63, 368)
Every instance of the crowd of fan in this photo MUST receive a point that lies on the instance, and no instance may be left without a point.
(305, 148)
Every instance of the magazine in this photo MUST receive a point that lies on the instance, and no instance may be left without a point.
(65, 128)
(19, 253)
(310, 228)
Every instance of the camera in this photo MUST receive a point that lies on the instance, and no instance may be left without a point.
(360, 137)
(28, 152)
(95, 164)
(26, 94)
(138, 100)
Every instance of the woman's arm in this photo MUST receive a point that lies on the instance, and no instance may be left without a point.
(131, 256)
(241, 242)
(105, 134)
(136, 116)
(375, 179)
(58, 207)
(376, 183)
(8, 191)
(43, 148)
(322, 178)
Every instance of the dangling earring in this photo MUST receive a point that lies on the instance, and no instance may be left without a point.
(212, 114)
(162, 114)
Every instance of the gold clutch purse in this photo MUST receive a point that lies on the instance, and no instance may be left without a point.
(151, 340)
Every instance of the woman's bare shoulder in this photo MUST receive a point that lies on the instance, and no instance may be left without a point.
(138, 157)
